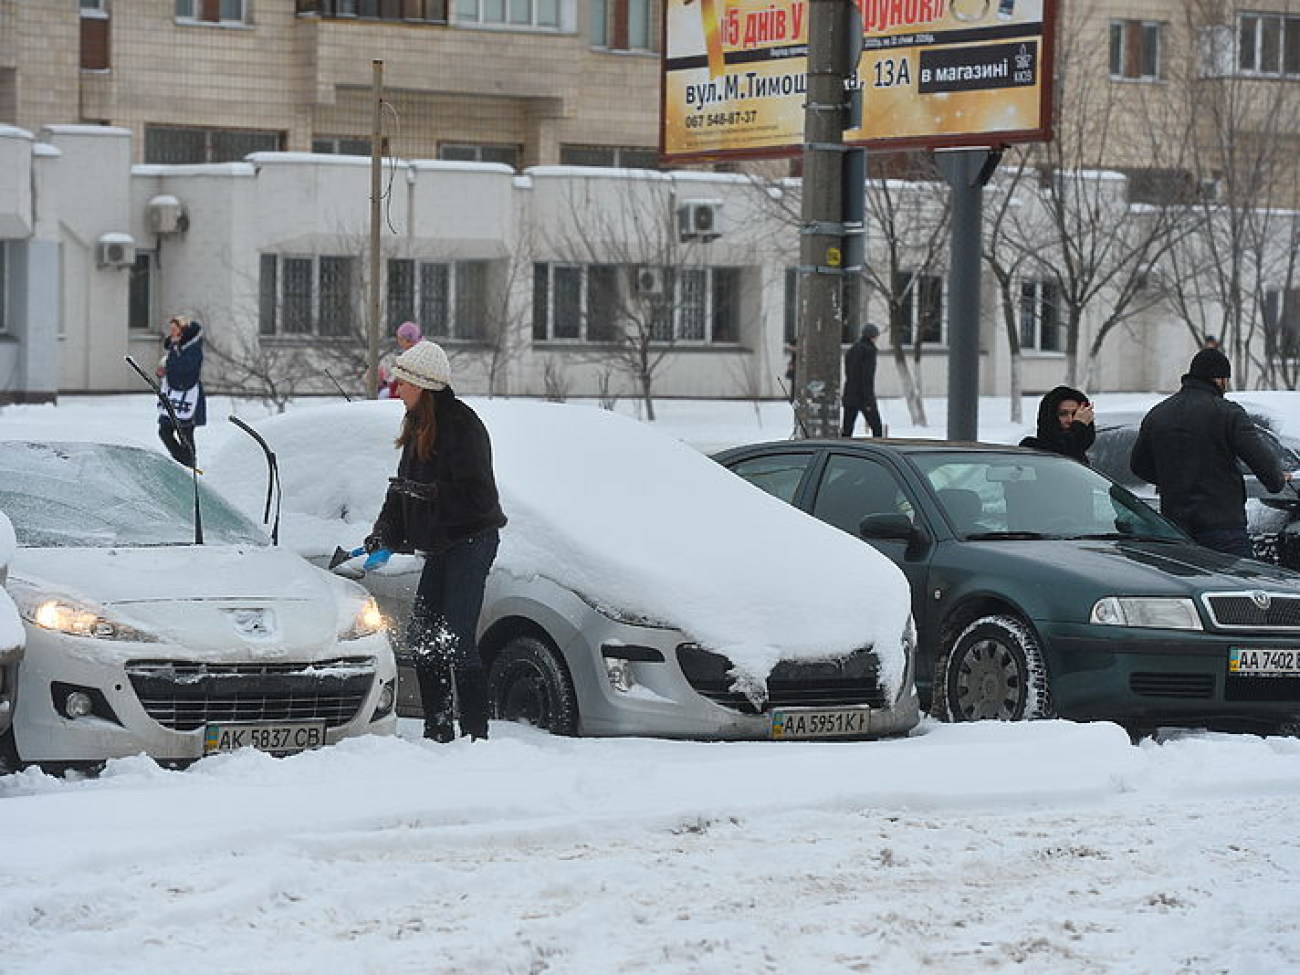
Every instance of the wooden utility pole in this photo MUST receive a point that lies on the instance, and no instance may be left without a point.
(376, 173)
(821, 253)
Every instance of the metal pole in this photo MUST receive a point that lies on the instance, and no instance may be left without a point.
(376, 172)
(967, 170)
(821, 251)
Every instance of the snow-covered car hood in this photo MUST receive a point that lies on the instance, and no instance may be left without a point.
(201, 597)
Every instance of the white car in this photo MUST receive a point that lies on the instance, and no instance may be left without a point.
(640, 589)
(11, 647)
(159, 620)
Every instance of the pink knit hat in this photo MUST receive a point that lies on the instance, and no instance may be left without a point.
(410, 332)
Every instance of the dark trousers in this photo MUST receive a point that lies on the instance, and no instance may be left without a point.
(442, 636)
(179, 443)
(1233, 541)
(870, 415)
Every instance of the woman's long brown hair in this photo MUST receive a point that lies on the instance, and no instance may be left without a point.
(420, 427)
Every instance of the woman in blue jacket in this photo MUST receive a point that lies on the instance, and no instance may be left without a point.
(179, 370)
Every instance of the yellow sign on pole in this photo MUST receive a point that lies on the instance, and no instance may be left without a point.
(933, 74)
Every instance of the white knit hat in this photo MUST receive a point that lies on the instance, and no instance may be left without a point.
(423, 364)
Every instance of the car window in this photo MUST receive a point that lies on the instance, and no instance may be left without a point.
(1040, 494)
(853, 487)
(777, 474)
(102, 495)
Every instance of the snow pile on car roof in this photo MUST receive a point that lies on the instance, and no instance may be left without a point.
(634, 520)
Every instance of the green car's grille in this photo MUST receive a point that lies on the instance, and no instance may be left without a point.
(1172, 685)
(1255, 610)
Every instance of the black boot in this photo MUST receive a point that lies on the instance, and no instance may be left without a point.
(435, 697)
(472, 691)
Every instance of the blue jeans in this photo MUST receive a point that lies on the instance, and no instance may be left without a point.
(1233, 541)
(442, 635)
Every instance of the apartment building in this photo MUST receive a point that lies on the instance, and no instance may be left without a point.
(212, 156)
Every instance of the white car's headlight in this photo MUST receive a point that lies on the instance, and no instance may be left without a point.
(65, 615)
(1158, 612)
(369, 620)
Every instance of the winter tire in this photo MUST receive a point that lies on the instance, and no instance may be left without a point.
(994, 671)
(528, 683)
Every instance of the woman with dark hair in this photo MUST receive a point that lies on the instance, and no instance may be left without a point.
(179, 370)
(1066, 424)
(443, 503)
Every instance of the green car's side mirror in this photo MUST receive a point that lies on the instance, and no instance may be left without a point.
(892, 525)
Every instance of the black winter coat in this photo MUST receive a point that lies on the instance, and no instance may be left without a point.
(464, 500)
(1188, 448)
(860, 374)
(1073, 441)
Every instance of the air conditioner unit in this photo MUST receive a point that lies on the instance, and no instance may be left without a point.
(167, 216)
(699, 220)
(649, 281)
(115, 250)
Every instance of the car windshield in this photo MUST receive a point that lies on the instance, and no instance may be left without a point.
(991, 495)
(61, 495)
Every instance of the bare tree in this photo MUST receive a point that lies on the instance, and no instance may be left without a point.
(1242, 160)
(907, 236)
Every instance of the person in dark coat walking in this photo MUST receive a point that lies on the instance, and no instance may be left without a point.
(1066, 424)
(860, 384)
(180, 370)
(1188, 447)
(443, 503)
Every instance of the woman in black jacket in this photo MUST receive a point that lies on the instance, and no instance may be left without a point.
(180, 369)
(443, 503)
(1066, 424)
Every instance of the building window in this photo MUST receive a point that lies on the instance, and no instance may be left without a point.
(614, 157)
(1135, 49)
(590, 302)
(175, 144)
(920, 307)
(1269, 44)
(543, 14)
(414, 11)
(448, 299)
(340, 145)
(94, 35)
(1040, 316)
(307, 296)
(459, 152)
(213, 11)
(1282, 322)
(141, 308)
(624, 25)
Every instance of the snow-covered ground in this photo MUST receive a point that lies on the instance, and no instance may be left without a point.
(1050, 847)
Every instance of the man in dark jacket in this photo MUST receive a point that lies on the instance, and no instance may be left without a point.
(180, 369)
(860, 384)
(1065, 424)
(1188, 447)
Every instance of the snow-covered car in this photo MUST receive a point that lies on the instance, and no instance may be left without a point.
(11, 646)
(639, 589)
(158, 619)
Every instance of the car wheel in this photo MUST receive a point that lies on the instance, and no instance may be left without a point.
(528, 683)
(994, 671)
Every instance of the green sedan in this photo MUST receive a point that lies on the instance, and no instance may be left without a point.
(1041, 588)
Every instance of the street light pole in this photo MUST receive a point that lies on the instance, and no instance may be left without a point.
(376, 173)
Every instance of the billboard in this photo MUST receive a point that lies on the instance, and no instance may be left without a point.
(933, 74)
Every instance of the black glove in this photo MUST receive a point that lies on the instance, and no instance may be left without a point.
(373, 544)
(413, 489)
